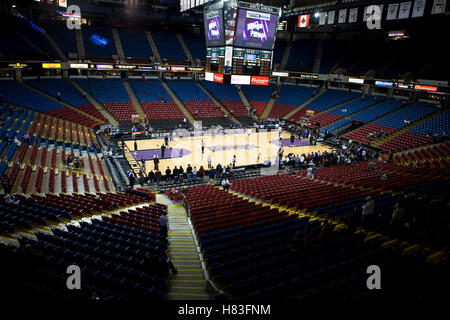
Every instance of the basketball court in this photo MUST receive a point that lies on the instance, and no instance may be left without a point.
(252, 149)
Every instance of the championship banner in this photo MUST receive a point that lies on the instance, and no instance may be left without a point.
(353, 15)
(322, 18)
(404, 9)
(342, 15)
(331, 17)
(392, 11)
(418, 8)
(368, 13)
(439, 6)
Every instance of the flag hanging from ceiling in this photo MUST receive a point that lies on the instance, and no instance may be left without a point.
(230, 14)
(303, 21)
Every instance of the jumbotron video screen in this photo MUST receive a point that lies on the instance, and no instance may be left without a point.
(240, 38)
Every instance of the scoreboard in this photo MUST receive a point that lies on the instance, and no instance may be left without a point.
(252, 62)
(240, 38)
(215, 59)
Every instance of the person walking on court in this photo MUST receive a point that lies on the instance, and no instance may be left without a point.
(166, 140)
(163, 150)
(209, 162)
(203, 147)
(143, 163)
(135, 145)
(156, 161)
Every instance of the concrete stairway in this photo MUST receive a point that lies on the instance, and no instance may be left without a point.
(60, 102)
(134, 100)
(189, 283)
(388, 64)
(268, 108)
(318, 58)
(180, 104)
(338, 63)
(118, 44)
(337, 106)
(152, 44)
(185, 49)
(384, 116)
(30, 43)
(97, 105)
(217, 102)
(428, 66)
(80, 44)
(55, 46)
(286, 54)
(243, 97)
(353, 114)
(409, 127)
(291, 113)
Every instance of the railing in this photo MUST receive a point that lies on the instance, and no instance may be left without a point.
(211, 284)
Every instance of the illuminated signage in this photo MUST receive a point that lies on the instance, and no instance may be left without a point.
(218, 77)
(17, 65)
(125, 66)
(383, 83)
(309, 76)
(79, 66)
(236, 79)
(259, 81)
(404, 85)
(104, 66)
(356, 80)
(425, 88)
(280, 74)
(178, 68)
(51, 65)
(209, 76)
(195, 68)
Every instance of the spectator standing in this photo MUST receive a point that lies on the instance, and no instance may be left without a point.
(168, 173)
(189, 173)
(209, 162)
(156, 161)
(157, 176)
(367, 213)
(226, 184)
(194, 174)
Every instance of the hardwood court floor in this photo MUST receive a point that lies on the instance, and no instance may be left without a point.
(249, 150)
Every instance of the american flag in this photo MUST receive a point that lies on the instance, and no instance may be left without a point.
(230, 14)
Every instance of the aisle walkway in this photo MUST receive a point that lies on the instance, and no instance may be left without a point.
(189, 283)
